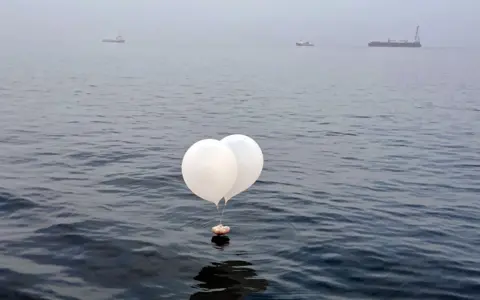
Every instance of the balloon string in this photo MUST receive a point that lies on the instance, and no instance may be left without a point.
(219, 220)
(223, 209)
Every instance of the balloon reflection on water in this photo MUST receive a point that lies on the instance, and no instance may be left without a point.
(228, 280)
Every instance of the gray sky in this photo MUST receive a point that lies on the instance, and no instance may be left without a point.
(269, 22)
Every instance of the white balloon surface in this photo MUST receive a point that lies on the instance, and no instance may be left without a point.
(209, 169)
(249, 159)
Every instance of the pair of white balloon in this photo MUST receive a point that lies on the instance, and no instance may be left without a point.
(215, 170)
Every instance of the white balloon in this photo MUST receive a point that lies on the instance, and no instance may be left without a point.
(209, 169)
(249, 158)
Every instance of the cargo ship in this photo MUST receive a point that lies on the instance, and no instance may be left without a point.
(399, 44)
(118, 39)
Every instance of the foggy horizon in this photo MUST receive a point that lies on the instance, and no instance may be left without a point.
(443, 23)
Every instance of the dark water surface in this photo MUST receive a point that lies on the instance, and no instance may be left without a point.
(370, 190)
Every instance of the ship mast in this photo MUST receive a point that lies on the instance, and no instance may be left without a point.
(417, 37)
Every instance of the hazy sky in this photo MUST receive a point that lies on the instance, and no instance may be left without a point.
(342, 22)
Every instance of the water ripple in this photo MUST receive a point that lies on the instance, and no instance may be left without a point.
(369, 191)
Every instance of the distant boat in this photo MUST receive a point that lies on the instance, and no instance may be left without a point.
(398, 44)
(304, 44)
(118, 39)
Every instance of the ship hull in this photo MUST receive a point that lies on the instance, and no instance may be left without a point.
(304, 45)
(394, 45)
(113, 41)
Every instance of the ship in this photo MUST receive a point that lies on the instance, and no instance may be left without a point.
(399, 44)
(304, 44)
(118, 39)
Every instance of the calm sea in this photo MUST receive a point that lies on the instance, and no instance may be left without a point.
(371, 185)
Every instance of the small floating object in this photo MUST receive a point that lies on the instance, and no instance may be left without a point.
(220, 229)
